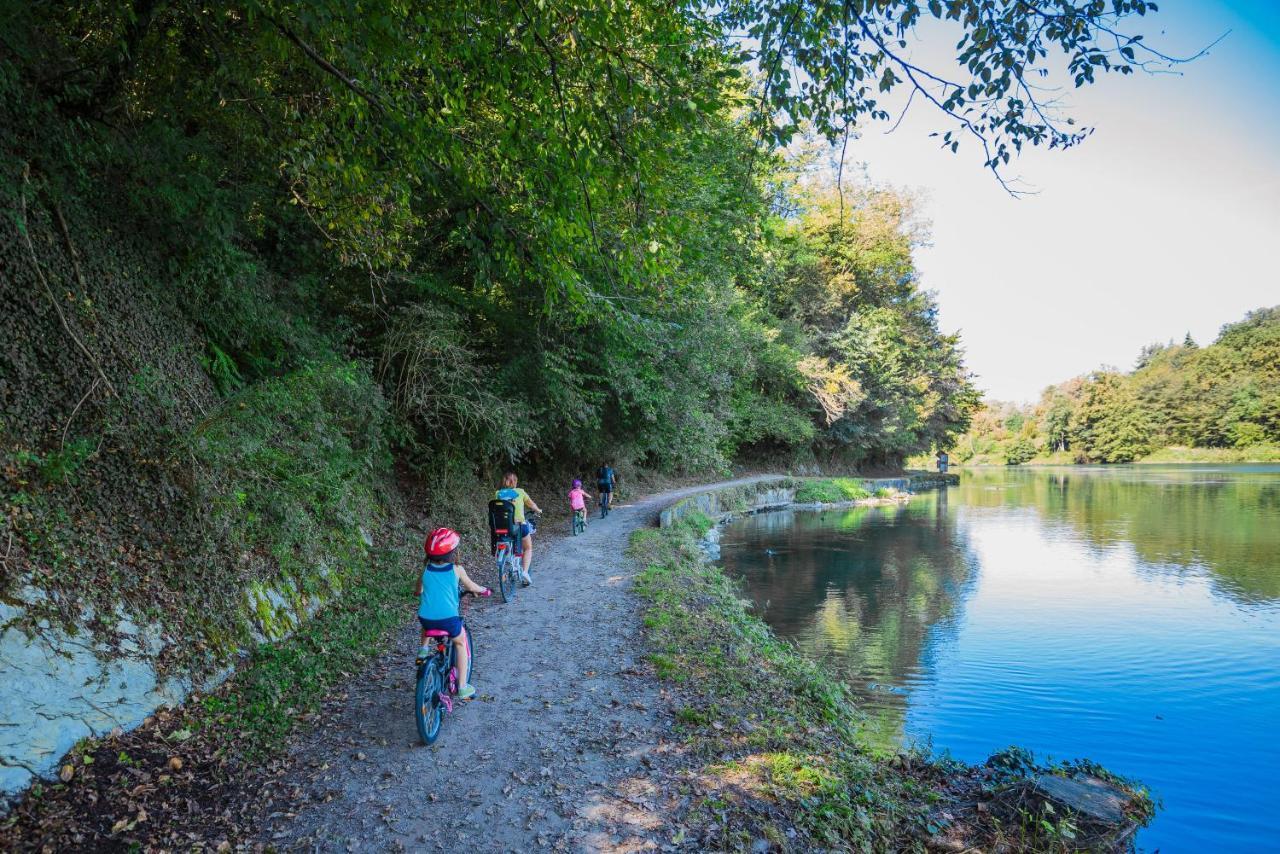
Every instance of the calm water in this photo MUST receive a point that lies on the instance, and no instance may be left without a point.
(1128, 614)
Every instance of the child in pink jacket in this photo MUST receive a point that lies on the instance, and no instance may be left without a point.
(578, 499)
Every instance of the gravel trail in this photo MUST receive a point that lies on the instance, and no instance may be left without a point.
(563, 747)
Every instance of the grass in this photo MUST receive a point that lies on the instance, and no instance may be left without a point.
(780, 750)
(830, 491)
(1249, 454)
(792, 732)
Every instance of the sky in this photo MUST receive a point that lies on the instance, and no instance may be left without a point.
(1165, 221)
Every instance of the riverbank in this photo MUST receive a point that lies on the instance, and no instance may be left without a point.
(1170, 455)
(606, 720)
(780, 754)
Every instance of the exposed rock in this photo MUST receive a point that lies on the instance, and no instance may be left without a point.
(1088, 796)
(60, 688)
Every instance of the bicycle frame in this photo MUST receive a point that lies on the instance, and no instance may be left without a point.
(507, 564)
(441, 669)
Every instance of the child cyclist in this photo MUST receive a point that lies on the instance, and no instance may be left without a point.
(438, 600)
(578, 500)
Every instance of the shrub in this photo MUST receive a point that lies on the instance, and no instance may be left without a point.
(831, 491)
(435, 382)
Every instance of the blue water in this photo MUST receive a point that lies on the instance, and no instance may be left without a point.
(1128, 615)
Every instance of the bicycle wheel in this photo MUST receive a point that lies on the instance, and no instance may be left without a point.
(506, 581)
(513, 574)
(471, 656)
(428, 709)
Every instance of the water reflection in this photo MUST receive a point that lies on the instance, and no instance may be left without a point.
(859, 589)
(1131, 615)
(1181, 520)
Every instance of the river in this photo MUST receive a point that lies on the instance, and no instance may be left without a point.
(1130, 615)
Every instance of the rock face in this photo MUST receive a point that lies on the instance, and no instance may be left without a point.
(60, 688)
(1088, 796)
(57, 688)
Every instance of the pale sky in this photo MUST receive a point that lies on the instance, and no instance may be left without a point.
(1166, 221)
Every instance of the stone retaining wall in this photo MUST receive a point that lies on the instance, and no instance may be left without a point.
(780, 492)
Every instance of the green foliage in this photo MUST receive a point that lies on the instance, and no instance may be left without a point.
(223, 370)
(290, 468)
(830, 491)
(58, 466)
(594, 189)
(435, 382)
(1022, 450)
(824, 66)
(881, 376)
(1108, 425)
(1214, 403)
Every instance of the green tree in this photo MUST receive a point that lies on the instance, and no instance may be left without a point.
(1020, 451)
(1110, 426)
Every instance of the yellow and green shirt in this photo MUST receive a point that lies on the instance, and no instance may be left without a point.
(516, 496)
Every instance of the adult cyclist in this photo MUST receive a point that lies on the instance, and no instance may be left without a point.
(520, 499)
(605, 480)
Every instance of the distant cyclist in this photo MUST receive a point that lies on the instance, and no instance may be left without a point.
(605, 480)
(520, 500)
(578, 498)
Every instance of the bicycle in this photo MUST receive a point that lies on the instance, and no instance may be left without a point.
(507, 564)
(579, 521)
(438, 680)
(606, 498)
(504, 538)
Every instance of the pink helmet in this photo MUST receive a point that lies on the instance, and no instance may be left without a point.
(441, 541)
(577, 484)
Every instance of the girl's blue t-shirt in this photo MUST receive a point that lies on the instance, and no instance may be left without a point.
(439, 592)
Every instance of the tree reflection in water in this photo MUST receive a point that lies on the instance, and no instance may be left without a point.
(871, 592)
(1182, 520)
(861, 590)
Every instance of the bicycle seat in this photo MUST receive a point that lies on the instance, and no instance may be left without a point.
(435, 633)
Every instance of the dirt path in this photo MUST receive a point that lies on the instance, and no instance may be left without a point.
(562, 747)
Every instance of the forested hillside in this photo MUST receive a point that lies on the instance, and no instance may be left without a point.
(273, 271)
(253, 253)
(1181, 401)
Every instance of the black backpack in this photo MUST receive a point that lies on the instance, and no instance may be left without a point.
(502, 521)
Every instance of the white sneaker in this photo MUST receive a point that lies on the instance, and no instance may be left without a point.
(525, 580)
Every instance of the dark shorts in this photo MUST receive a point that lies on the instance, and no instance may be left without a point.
(452, 625)
(604, 487)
